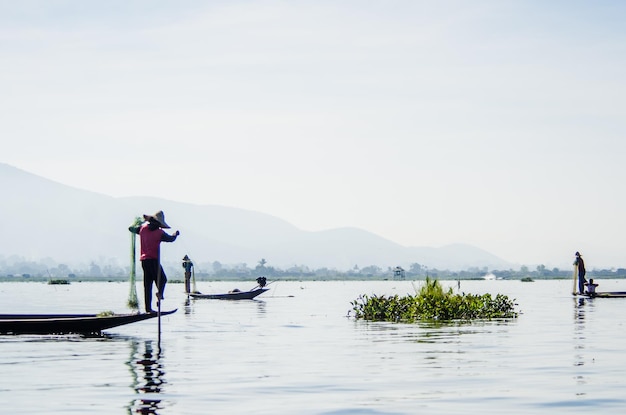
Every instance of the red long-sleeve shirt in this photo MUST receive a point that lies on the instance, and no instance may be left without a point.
(151, 238)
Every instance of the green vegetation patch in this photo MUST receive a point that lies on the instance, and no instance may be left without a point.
(432, 303)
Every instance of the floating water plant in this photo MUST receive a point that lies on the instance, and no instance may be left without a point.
(430, 303)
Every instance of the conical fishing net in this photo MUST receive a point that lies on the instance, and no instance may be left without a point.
(132, 296)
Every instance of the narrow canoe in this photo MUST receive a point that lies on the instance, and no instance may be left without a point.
(68, 323)
(237, 295)
(607, 294)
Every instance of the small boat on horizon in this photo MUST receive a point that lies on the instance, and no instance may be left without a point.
(231, 295)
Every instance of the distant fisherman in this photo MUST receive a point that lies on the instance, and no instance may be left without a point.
(591, 287)
(187, 265)
(581, 272)
(151, 235)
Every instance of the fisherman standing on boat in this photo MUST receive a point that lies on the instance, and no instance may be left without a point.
(581, 272)
(187, 265)
(151, 234)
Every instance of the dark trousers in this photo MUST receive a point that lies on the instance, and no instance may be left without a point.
(187, 282)
(152, 274)
(581, 283)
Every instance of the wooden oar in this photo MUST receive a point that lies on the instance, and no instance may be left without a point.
(159, 295)
(574, 278)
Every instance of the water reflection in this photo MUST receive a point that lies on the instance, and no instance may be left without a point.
(580, 309)
(431, 332)
(261, 311)
(235, 304)
(148, 377)
(187, 306)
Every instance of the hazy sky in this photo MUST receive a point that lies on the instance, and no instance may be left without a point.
(500, 124)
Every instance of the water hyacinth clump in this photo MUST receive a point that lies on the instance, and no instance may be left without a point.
(432, 303)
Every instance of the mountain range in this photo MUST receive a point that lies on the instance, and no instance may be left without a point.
(45, 219)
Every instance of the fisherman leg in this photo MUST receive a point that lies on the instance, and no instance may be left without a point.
(161, 281)
(147, 294)
(187, 282)
(149, 275)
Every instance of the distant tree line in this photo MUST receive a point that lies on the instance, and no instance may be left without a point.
(17, 268)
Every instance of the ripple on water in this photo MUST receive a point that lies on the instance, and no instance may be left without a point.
(296, 352)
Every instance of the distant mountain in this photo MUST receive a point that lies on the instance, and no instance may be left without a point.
(45, 219)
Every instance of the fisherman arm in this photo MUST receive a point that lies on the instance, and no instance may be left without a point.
(165, 237)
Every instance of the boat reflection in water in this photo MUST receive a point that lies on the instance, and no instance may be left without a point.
(148, 378)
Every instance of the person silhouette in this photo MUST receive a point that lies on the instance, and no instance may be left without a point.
(581, 272)
(591, 287)
(187, 265)
(151, 234)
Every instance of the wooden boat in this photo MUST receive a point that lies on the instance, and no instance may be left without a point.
(68, 323)
(233, 295)
(606, 294)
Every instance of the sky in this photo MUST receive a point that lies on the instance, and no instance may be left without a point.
(499, 124)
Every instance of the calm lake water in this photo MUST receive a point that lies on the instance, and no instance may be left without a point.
(294, 351)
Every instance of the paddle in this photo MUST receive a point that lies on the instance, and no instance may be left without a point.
(159, 295)
(574, 278)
